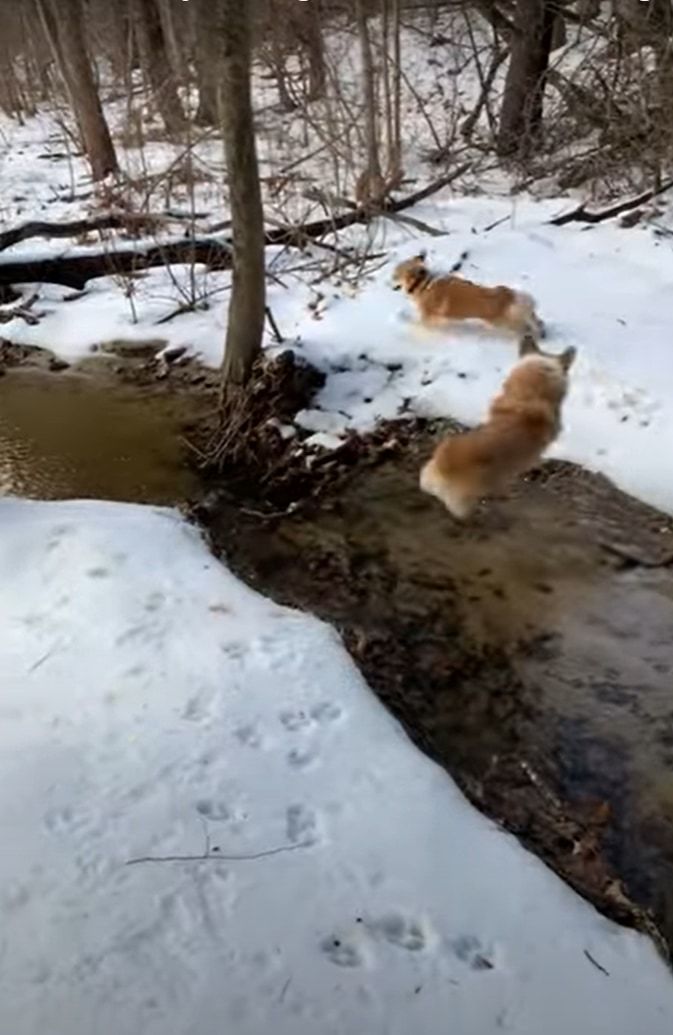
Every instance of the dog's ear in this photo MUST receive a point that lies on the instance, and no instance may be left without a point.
(567, 358)
(528, 345)
(422, 256)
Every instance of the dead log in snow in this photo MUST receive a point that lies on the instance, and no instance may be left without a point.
(140, 222)
(580, 214)
(75, 268)
(303, 234)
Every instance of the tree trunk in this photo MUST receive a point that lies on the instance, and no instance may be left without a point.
(279, 29)
(64, 28)
(310, 35)
(370, 183)
(155, 60)
(205, 58)
(392, 83)
(522, 106)
(173, 41)
(247, 306)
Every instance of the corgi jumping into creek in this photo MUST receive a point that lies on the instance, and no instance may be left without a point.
(440, 299)
(523, 421)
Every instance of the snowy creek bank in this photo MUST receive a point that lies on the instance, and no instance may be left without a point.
(212, 825)
(527, 652)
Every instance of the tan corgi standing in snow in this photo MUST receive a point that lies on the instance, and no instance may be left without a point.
(523, 420)
(442, 298)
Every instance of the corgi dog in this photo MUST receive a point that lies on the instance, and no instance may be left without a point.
(523, 420)
(439, 299)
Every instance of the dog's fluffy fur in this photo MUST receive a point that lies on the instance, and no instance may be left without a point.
(523, 420)
(439, 299)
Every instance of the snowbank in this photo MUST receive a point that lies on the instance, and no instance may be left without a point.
(152, 706)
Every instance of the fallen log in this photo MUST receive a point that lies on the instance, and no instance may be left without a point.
(144, 223)
(306, 232)
(74, 268)
(581, 215)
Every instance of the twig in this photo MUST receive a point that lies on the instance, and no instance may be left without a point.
(45, 657)
(460, 261)
(274, 326)
(540, 786)
(596, 964)
(212, 855)
(498, 222)
(418, 224)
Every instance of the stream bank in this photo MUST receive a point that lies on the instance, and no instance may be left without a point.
(528, 651)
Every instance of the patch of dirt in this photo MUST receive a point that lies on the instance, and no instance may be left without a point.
(527, 651)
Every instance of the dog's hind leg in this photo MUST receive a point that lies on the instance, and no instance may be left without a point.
(537, 326)
(520, 317)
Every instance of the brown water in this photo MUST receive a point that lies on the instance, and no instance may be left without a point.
(72, 435)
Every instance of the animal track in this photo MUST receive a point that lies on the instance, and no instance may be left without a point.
(216, 810)
(469, 949)
(135, 672)
(194, 710)
(58, 533)
(322, 713)
(398, 930)
(294, 720)
(248, 735)
(236, 649)
(326, 712)
(301, 825)
(299, 759)
(343, 952)
(63, 820)
(349, 949)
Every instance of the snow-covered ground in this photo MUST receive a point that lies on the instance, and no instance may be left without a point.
(211, 825)
(604, 289)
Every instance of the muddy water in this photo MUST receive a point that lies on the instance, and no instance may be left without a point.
(79, 436)
(530, 652)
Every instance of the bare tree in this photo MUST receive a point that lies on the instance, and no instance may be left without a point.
(370, 185)
(309, 32)
(155, 59)
(63, 25)
(522, 105)
(392, 87)
(205, 64)
(231, 26)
